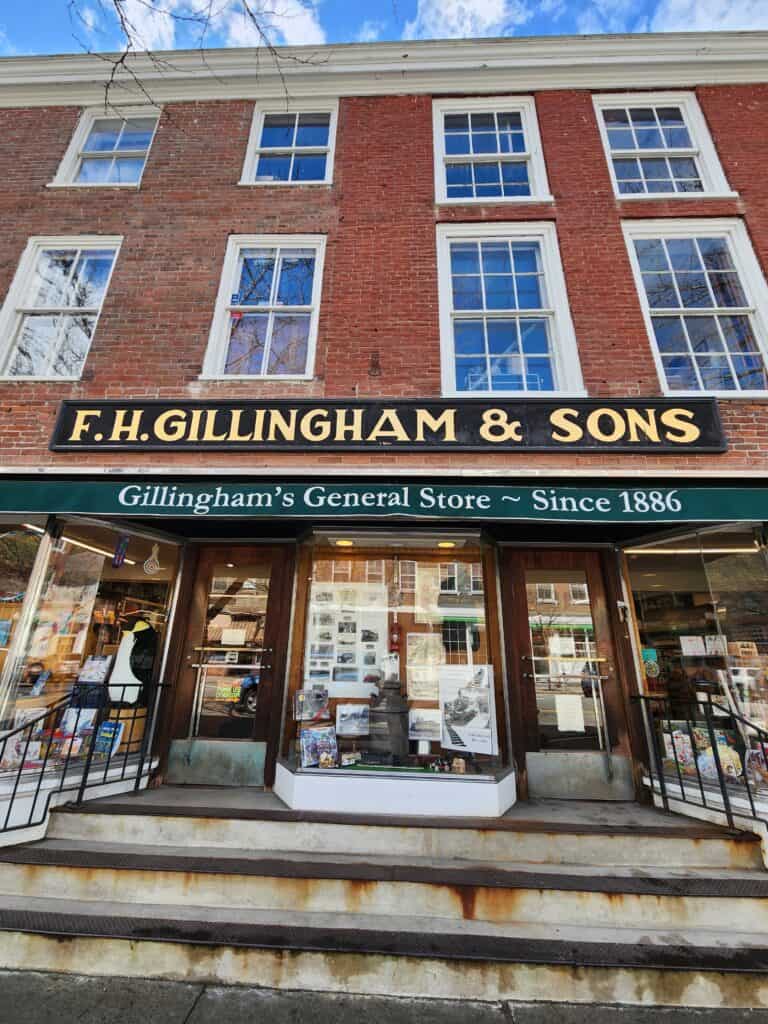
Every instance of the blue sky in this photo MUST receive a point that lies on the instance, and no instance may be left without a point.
(65, 26)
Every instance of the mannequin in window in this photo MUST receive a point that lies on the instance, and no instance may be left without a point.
(132, 670)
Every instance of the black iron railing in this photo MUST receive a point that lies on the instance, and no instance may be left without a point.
(704, 753)
(83, 741)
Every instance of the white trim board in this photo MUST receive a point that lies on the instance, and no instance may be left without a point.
(680, 59)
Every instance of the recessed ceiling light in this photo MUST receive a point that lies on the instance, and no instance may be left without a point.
(446, 544)
(344, 543)
(230, 565)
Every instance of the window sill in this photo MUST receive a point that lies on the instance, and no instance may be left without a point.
(285, 184)
(632, 197)
(4, 379)
(122, 187)
(510, 396)
(738, 396)
(253, 378)
(495, 201)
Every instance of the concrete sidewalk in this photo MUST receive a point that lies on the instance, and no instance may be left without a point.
(28, 997)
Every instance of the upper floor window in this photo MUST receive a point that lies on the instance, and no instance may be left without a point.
(706, 304)
(449, 578)
(505, 325)
(488, 150)
(578, 593)
(108, 149)
(265, 322)
(291, 148)
(545, 593)
(50, 314)
(658, 144)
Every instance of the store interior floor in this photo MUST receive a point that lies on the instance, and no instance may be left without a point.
(239, 802)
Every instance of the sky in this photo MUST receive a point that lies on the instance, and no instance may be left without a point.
(70, 26)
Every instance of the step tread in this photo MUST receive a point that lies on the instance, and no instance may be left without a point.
(657, 881)
(417, 937)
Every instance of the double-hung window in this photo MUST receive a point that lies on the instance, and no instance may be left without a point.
(50, 314)
(108, 149)
(265, 323)
(658, 144)
(291, 147)
(505, 325)
(488, 150)
(706, 304)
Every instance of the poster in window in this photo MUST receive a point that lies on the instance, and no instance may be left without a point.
(427, 595)
(422, 682)
(425, 649)
(467, 704)
(425, 724)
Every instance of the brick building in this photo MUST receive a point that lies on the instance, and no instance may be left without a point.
(406, 365)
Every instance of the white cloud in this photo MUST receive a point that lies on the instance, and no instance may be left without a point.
(370, 31)
(448, 19)
(6, 47)
(90, 19)
(609, 16)
(293, 22)
(709, 15)
(150, 24)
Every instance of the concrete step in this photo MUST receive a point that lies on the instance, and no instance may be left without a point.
(448, 889)
(668, 842)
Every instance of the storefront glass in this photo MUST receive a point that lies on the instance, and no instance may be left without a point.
(93, 646)
(701, 602)
(18, 549)
(396, 671)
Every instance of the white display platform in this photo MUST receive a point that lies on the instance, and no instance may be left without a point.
(431, 796)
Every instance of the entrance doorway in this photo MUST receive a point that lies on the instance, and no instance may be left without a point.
(568, 710)
(229, 694)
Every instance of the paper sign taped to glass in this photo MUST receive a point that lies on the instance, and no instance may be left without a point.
(468, 707)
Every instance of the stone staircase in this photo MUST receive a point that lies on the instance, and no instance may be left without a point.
(554, 902)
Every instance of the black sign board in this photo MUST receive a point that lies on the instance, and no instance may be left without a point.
(542, 425)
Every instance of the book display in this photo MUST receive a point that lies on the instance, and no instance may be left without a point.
(395, 673)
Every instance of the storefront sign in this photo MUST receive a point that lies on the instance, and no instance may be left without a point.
(657, 425)
(375, 500)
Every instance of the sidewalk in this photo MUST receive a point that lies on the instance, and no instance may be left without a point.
(36, 998)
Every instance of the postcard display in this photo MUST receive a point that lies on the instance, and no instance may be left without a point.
(381, 689)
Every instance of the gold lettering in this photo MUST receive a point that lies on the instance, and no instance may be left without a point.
(209, 433)
(594, 428)
(171, 425)
(258, 425)
(126, 431)
(388, 425)
(193, 434)
(678, 420)
(645, 424)
(446, 422)
(82, 426)
(572, 432)
(278, 422)
(312, 432)
(354, 429)
(234, 427)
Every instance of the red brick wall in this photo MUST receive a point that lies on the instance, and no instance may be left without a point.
(380, 282)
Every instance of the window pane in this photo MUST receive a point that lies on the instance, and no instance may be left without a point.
(36, 342)
(484, 142)
(512, 142)
(73, 346)
(51, 280)
(499, 292)
(464, 258)
(534, 335)
(309, 168)
(247, 338)
(620, 139)
(507, 373)
(256, 272)
(467, 293)
(94, 172)
(468, 337)
(670, 336)
(715, 373)
(515, 178)
(738, 334)
(626, 169)
(715, 253)
(457, 144)
(313, 129)
(103, 135)
(502, 337)
(273, 168)
(539, 376)
(137, 133)
(459, 180)
(751, 373)
(650, 254)
(89, 280)
(683, 167)
(660, 290)
(526, 258)
(296, 277)
(704, 335)
(727, 289)
(683, 254)
(126, 171)
(693, 290)
(471, 375)
(657, 171)
(487, 179)
(528, 292)
(278, 130)
(680, 373)
(675, 133)
(288, 347)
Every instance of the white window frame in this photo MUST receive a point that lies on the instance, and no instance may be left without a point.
(534, 155)
(253, 150)
(378, 572)
(564, 348)
(13, 309)
(409, 575)
(479, 576)
(551, 590)
(455, 574)
(713, 179)
(750, 275)
(218, 338)
(578, 600)
(70, 164)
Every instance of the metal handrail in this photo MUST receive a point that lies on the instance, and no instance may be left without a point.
(687, 772)
(86, 757)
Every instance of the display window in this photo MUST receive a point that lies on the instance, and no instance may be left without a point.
(701, 603)
(92, 649)
(18, 549)
(395, 668)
